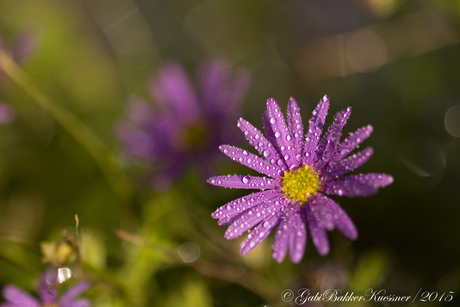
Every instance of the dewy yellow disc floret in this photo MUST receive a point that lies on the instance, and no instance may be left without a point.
(300, 184)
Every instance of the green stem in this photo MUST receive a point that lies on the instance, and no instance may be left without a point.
(85, 136)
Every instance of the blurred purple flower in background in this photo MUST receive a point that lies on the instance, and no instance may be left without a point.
(187, 126)
(20, 50)
(16, 297)
(300, 174)
(7, 113)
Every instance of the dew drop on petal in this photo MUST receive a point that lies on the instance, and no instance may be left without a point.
(277, 134)
(273, 120)
(266, 153)
(245, 179)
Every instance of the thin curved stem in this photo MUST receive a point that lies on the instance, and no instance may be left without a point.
(84, 135)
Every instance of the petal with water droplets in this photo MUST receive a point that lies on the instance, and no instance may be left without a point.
(317, 233)
(348, 164)
(282, 236)
(351, 142)
(258, 140)
(315, 127)
(252, 161)
(243, 182)
(328, 144)
(260, 232)
(298, 238)
(325, 209)
(281, 133)
(295, 127)
(242, 204)
(251, 218)
(357, 185)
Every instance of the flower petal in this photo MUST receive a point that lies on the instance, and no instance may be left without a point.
(243, 182)
(173, 89)
(298, 238)
(351, 142)
(251, 218)
(260, 143)
(315, 127)
(242, 204)
(69, 296)
(348, 164)
(220, 92)
(260, 232)
(357, 185)
(212, 76)
(252, 161)
(329, 215)
(343, 222)
(281, 133)
(295, 127)
(19, 297)
(282, 236)
(318, 233)
(328, 144)
(47, 290)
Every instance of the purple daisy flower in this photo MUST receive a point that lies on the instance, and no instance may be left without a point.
(16, 297)
(186, 128)
(300, 173)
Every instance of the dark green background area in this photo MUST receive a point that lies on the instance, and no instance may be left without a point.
(395, 62)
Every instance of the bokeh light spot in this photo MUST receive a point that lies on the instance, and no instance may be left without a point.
(366, 51)
(189, 252)
(452, 121)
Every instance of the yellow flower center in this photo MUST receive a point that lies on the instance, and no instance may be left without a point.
(298, 185)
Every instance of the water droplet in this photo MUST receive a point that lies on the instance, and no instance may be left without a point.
(261, 234)
(273, 120)
(266, 153)
(245, 179)
(252, 244)
(339, 192)
(286, 157)
(229, 207)
(288, 137)
(256, 136)
(277, 134)
(245, 152)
